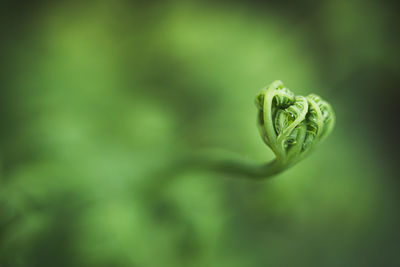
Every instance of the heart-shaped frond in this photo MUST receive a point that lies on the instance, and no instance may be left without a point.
(290, 125)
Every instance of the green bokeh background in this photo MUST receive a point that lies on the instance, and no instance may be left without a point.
(98, 97)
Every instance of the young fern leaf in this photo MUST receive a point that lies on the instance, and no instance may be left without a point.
(291, 125)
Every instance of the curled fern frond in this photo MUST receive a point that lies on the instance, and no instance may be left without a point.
(291, 125)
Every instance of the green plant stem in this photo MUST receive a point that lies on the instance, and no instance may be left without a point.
(232, 165)
(211, 161)
(250, 170)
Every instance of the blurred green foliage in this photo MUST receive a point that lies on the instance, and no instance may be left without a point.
(98, 97)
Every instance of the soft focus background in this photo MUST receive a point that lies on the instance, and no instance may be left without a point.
(98, 97)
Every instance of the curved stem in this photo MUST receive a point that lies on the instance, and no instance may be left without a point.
(250, 170)
(233, 165)
(226, 164)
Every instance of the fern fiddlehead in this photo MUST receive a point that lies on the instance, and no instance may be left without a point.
(291, 125)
